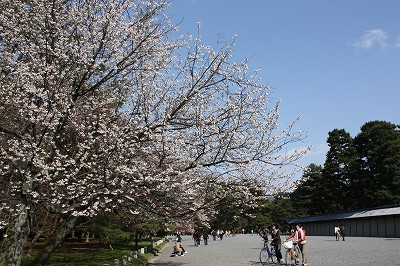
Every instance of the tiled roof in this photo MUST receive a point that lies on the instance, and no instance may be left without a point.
(393, 210)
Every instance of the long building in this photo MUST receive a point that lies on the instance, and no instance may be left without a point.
(377, 222)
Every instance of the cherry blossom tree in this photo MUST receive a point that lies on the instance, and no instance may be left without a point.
(101, 108)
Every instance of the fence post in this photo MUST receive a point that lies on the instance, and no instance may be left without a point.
(124, 261)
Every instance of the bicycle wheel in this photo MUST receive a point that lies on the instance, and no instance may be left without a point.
(273, 255)
(264, 257)
(288, 257)
(298, 255)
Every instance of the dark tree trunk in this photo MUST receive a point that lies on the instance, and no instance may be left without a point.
(58, 238)
(137, 236)
(17, 235)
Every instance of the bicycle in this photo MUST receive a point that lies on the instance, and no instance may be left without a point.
(267, 254)
(289, 259)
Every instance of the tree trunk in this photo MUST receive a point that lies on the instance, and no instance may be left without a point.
(137, 239)
(33, 242)
(58, 238)
(17, 236)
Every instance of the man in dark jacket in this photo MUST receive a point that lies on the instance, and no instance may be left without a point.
(276, 242)
(205, 237)
(342, 231)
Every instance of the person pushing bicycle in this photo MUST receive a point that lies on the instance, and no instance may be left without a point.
(300, 238)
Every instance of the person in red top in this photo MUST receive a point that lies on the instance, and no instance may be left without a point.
(300, 237)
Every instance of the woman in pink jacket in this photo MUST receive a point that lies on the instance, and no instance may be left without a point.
(300, 238)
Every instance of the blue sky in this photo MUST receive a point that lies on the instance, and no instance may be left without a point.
(335, 63)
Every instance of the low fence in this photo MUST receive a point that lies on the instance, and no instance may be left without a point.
(123, 261)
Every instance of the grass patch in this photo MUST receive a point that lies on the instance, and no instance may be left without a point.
(92, 254)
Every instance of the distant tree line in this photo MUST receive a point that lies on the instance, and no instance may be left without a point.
(360, 172)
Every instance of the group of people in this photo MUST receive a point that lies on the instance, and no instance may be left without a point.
(198, 236)
(298, 236)
(340, 231)
(219, 234)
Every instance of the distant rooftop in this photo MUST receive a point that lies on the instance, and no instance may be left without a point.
(383, 211)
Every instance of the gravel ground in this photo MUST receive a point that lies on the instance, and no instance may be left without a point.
(321, 250)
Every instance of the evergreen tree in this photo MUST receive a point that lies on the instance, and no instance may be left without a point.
(309, 196)
(363, 172)
(377, 178)
(261, 215)
(282, 208)
(337, 170)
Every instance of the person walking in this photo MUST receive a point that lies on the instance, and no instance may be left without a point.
(342, 231)
(276, 242)
(214, 234)
(337, 232)
(205, 237)
(198, 236)
(221, 234)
